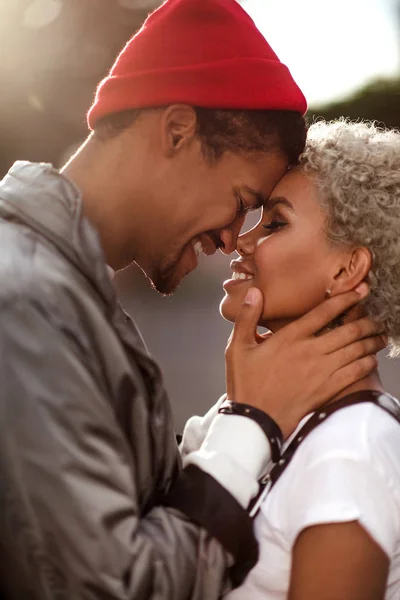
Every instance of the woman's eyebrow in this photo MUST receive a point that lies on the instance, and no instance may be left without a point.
(271, 202)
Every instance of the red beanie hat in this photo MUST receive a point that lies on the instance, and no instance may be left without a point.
(206, 53)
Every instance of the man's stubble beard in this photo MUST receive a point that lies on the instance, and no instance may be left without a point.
(164, 278)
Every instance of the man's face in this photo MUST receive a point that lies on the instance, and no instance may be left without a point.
(201, 206)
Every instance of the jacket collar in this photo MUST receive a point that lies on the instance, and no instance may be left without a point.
(40, 197)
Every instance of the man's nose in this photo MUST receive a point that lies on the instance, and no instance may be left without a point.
(229, 235)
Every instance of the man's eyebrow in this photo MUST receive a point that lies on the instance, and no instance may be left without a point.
(259, 197)
(271, 202)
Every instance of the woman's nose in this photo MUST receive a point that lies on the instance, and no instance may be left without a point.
(245, 243)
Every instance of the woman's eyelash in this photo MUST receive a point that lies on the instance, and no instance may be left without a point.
(274, 225)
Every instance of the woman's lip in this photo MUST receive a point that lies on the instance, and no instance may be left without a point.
(240, 266)
(232, 282)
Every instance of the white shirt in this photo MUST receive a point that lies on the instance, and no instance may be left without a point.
(347, 469)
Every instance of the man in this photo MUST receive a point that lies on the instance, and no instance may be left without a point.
(194, 126)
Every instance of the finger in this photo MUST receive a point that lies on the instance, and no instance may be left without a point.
(349, 333)
(351, 373)
(357, 350)
(324, 313)
(352, 314)
(245, 326)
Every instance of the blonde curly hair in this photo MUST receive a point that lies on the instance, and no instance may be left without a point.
(356, 167)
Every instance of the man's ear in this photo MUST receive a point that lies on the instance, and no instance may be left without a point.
(178, 125)
(353, 269)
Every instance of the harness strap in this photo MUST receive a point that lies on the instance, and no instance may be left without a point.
(385, 401)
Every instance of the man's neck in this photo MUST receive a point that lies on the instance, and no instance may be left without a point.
(103, 199)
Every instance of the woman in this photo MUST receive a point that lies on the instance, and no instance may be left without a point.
(330, 527)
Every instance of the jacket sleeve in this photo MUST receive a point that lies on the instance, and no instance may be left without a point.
(69, 517)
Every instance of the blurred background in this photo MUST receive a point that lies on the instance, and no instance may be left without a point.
(345, 55)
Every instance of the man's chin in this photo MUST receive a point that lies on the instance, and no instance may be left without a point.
(167, 283)
(166, 279)
(165, 288)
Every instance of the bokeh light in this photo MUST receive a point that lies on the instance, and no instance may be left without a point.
(41, 13)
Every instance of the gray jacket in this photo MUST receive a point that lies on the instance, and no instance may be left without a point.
(93, 502)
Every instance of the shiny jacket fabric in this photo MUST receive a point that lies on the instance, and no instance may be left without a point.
(87, 448)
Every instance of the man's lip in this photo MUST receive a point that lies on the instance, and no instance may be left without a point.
(237, 266)
(208, 242)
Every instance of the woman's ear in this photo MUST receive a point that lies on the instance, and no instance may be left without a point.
(353, 269)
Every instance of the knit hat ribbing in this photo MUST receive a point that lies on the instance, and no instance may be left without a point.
(206, 53)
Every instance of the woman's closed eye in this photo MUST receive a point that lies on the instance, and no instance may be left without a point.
(274, 224)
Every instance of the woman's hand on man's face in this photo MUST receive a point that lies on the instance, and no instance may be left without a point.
(292, 372)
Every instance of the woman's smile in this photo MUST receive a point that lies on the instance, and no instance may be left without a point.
(240, 274)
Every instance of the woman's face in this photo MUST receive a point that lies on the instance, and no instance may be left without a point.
(286, 255)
